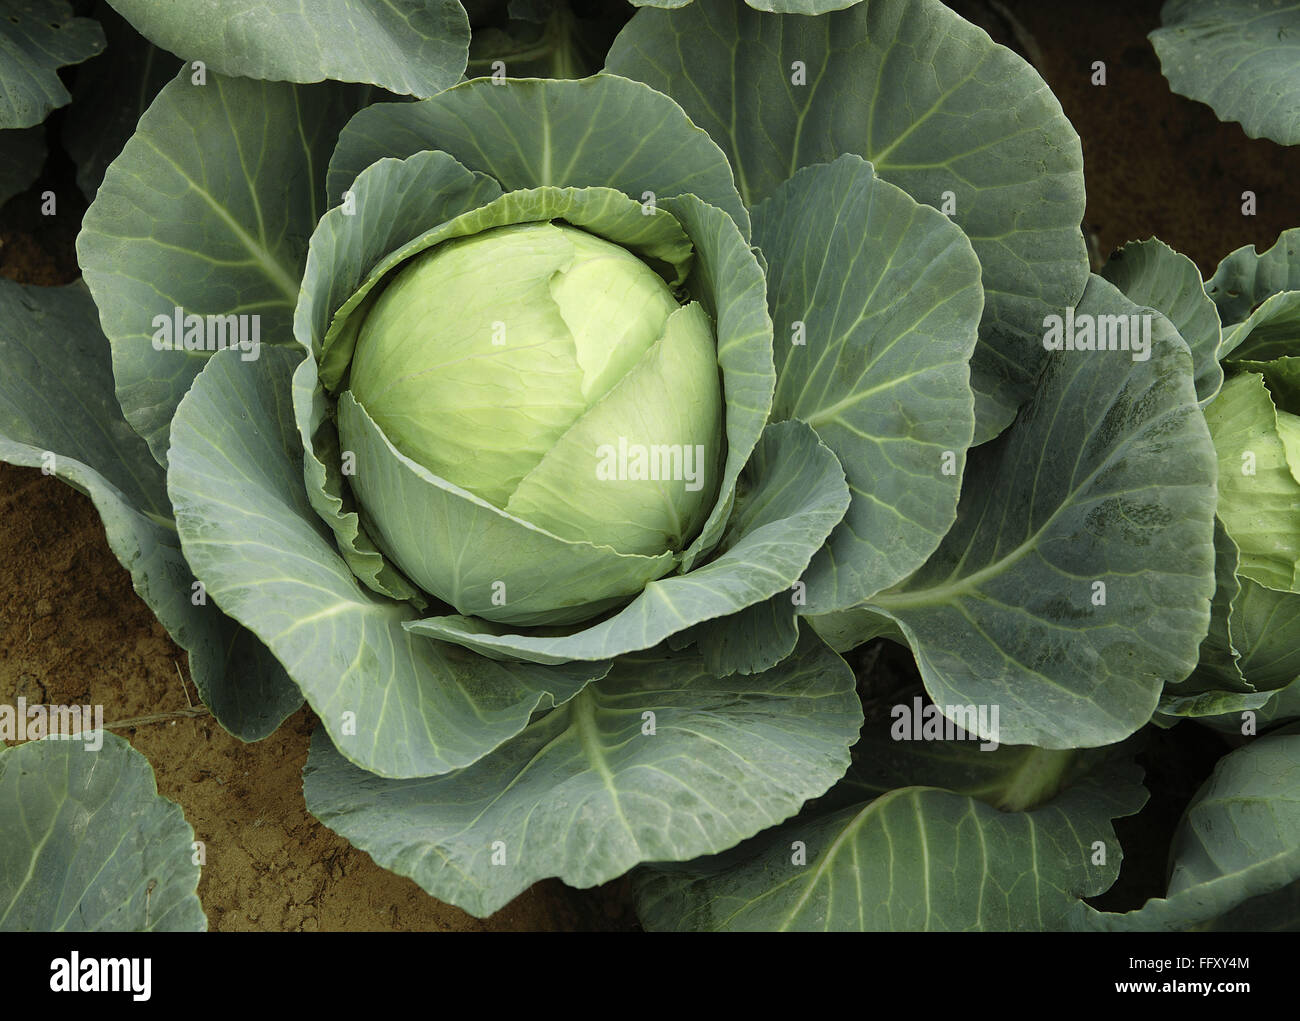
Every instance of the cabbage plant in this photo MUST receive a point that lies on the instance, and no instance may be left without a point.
(557, 440)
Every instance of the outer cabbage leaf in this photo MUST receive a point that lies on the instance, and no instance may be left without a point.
(1239, 56)
(1077, 579)
(602, 132)
(208, 209)
(411, 47)
(916, 858)
(1152, 274)
(875, 302)
(920, 857)
(658, 761)
(1236, 855)
(89, 845)
(1246, 277)
(932, 103)
(36, 39)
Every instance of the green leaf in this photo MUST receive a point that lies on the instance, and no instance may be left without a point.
(58, 413)
(1265, 627)
(1250, 653)
(88, 844)
(598, 132)
(1270, 332)
(1236, 854)
(411, 47)
(1217, 683)
(1106, 478)
(1153, 275)
(37, 37)
(1011, 778)
(1259, 495)
(794, 497)
(208, 209)
(394, 703)
(1238, 56)
(914, 859)
(658, 761)
(847, 629)
(728, 281)
(888, 296)
(749, 642)
(1246, 277)
(935, 107)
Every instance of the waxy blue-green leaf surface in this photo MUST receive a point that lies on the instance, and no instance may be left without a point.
(1152, 274)
(916, 858)
(658, 761)
(935, 106)
(1236, 855)
(875, 302)
(411, 47)
(1238, 56)
(1247, 277)
(603, 132)
(1077, 579)
(88, 845)
(208, 208)
(37, 37)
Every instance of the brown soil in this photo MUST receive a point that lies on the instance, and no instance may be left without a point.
(73, 631)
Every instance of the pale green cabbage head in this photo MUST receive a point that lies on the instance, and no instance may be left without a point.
(554, 375)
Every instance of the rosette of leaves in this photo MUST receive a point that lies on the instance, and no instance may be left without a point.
(874, 266)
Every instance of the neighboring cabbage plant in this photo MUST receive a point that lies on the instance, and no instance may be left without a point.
(1243, 327)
